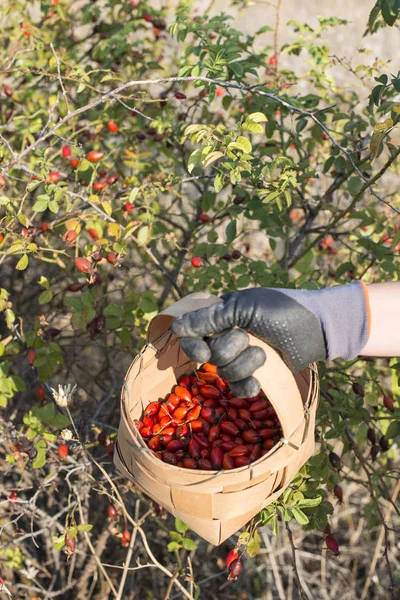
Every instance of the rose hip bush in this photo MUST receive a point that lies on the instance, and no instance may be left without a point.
(146, 153)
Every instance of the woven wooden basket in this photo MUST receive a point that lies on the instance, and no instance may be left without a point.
(215, 504)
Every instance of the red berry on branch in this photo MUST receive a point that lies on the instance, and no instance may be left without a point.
(13, 497)
(332, 544)
(358, 389)
(111, 257)
(112, 512)
(112, 179)
(7, 90)
(31, 356)
(83, 265)
(70, 236)
(389, 403)
(180, 96)
(70, 542)
(93, 234)
(66, 151)
(338, 491)
(44, 226)
(54, 177)
(272, 61)
(204, 218)
(128, 206)
(99, 185)
(148, 17)
(63, 450)
(74, 162)
(110, 450)
(2, 181)
(235, 569)
(230, 557)
(40, 392)
(94, 156)
(112, 127)
(196, 262)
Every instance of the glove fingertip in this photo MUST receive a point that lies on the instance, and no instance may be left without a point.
(245, 388)
(196, 349)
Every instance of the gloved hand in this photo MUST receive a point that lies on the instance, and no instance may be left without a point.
(302, 325)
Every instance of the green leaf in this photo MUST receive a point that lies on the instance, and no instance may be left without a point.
(189, 544)
(72, 531)
(253, 548)
(300, 516)
(45, 297)
(143, 234)
(275, 527)
(242, 143)
(49, 415)
(40, 205)
(230, 231)
(85, 527)
(180, 526)
(194, 158)
(22, 263)
(355, 185)
(172, 546)
(40, 458)
(257, 117)
(393, 430)
(218, 182)
(309, 502)
(244, 538)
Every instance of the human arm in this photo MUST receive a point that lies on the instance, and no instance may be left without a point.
(384, 303)
(303, 325)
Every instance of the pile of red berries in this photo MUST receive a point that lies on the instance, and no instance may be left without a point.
(202, 425)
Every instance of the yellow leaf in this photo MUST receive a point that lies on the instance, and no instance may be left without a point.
(73, 224)
(383, 126)
(107, 207)
(114, 230)
(93, 198)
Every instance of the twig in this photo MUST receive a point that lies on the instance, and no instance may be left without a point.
(294, 563)
(59, 77)
(129, 555)
(379, 543)
(93, 551)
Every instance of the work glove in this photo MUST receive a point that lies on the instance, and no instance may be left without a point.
(302, 325)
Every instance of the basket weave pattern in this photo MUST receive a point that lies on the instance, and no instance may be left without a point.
(215, 504)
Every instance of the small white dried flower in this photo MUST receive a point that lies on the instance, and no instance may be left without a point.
(66, 435)
(64, 395)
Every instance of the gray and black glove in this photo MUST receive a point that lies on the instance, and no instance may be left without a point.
(302, 325)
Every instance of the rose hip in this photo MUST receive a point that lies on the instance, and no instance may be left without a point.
(239, 451)
(152, 409)
(250, 436)
(216, 457)
(189, 463)
(184, 381)
(174, 445)
(198, 425)
(194, 448)
(242, 461)
(204, 464)
(209, 391)
(170, 458)
(214, 433)
(193, 415)
(238, 403)
(258, 405)
(155, 443)
(201, 439)
(182, 431)
(228, 462)
(229, 428)
(183, 393)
